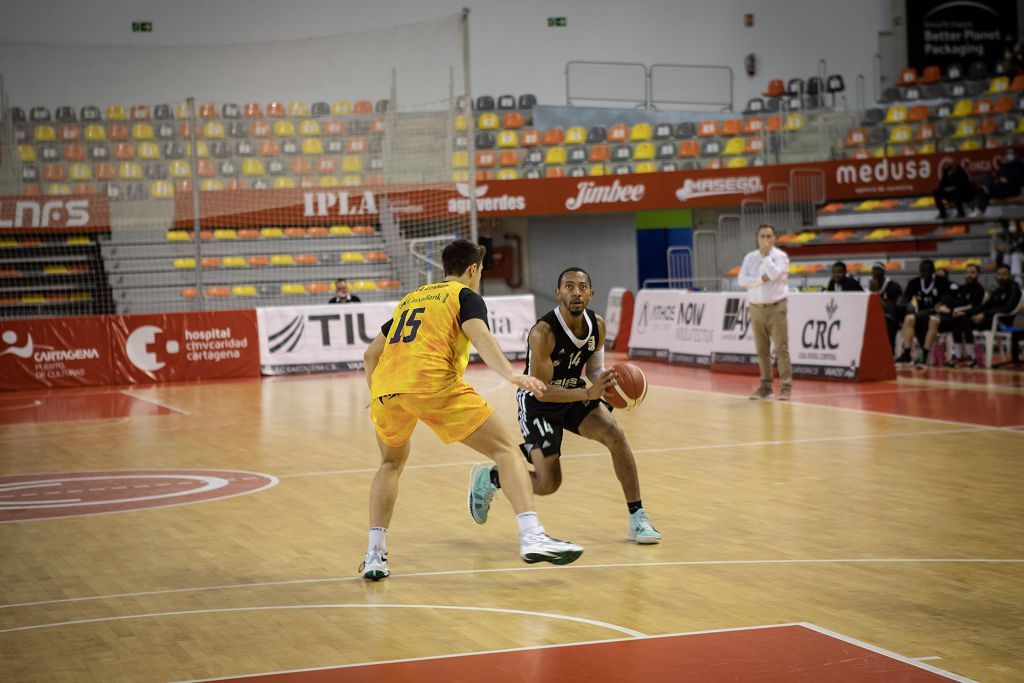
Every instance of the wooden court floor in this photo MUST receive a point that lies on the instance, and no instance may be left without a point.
(891, 513)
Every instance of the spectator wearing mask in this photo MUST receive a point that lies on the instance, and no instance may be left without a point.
(922, 295)
(951, 316)
(954, 186)
(841, 282)
(1006, 182)
(891, 294)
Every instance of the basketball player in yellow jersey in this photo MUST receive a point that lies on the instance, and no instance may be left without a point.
(414, 368)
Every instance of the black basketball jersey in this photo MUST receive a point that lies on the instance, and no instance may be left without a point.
(927, 297)
(570, 355)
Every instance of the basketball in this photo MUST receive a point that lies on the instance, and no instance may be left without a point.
(631, 388)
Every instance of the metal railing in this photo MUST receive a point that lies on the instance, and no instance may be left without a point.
(645, 87)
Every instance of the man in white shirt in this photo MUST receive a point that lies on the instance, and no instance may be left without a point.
(765, 276)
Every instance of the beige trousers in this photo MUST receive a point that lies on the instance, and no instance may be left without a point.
(769, 325)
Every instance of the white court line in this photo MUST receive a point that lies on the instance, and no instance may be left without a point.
(672, 449)
(802, 624)
(503, 570)
(150, 615)
(887, 653)
(156, 402)
(925, 659)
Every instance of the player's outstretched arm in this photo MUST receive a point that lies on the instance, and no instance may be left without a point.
(487, 346)
(372, 356)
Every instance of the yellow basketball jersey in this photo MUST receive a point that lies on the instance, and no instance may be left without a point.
(425, 349)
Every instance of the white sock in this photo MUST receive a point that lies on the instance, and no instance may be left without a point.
(959, 350)
(377, 537)
(529, 524)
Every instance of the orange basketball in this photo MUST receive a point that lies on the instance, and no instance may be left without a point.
(630, 389)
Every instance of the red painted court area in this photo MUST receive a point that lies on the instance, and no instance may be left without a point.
(71, 404)
(790, 652)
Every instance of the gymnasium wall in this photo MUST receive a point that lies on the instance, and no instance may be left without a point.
(513, 50)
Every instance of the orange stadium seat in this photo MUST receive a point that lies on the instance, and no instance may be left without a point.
(513, 120)
(856, 137)
(69, 132)
(139, 112)
(618, 133)
(707, 129)
(252, 110)
(908, 76)
(553, 136)
(932, 74)
(529, 138)
(752, 125)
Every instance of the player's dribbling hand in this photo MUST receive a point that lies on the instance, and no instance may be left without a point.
(604, 382)
(530, 383)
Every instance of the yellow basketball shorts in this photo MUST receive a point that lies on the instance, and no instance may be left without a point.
(453, 413)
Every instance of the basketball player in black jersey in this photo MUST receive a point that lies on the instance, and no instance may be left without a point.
(562, 344)
(922, 295)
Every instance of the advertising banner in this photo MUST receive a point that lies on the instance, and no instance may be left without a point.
(174, 347)
(54, 214)
(958, 32)
(697, 328)
(330, 338)
(54, 353)
(613, 316)
(840, 180)
(654, 323)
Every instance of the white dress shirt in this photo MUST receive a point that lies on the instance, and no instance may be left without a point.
(775, 265)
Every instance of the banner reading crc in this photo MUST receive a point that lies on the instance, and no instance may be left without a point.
(173, 347)
(54, 353)
(838, 180)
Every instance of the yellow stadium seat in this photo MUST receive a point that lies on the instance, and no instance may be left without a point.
(80, 171)
(640, 131)
(309, 127)
(148, 151)
(284, 128)
(966, 129)
(867, 205)
(460, 176)
(244, 290)
(116, 112)
(460, 159)
(282, 260)
(312, 146)
(508, 138)
(645, 167)
(177, 236)
(341, 108)
(643, 151)
(329, 181)
(284, 183)
(352, 257)
(353, 164)
(252, 167)
(213, 130)
(340, 230)
(364, 285)
(735, 146)
(962, 108)
(202, 149)
(577, 135)
(596, 169)
(923, 203)
(59, 189)
(211, 184)
(179, 169)
(95, 133)
(900, 134)
(44, 132)
(351, 180)
(130, 170)
(225, 234)
(508, 174)
(488, 121)
(271, 233)
(970, 145)
(181, 110)
(897, 114)
(27, 154)
(298, 110)
(161, 189)
(460, 122)
(998, 85)
(737, 162)
(142, 131)
(555, 155)
(234, 262)
(186, 263)
(293, 288)
(926, 148)
(795, 121)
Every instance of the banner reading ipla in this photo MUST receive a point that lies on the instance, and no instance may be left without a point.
(54, 353)
(171, 347)
(831, 336)
(329, 338)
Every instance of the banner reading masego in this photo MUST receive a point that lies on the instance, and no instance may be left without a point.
(841, 180)
(54, 353)
(173, 347)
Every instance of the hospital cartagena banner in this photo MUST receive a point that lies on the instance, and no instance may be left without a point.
(333, 337)
(174, 347)
(54, 353)
(831, 335)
